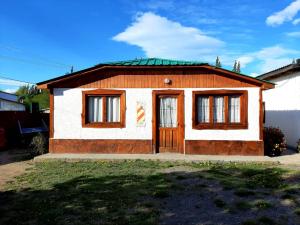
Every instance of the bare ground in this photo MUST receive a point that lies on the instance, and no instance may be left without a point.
(13, 163)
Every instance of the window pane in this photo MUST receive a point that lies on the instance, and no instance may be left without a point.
(113, 109)
(168, 112)
(234, 109)
(95, 109)
(203, 109)
(219, 109)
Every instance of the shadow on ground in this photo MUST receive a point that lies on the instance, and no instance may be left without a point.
(216, 195)
(14, 155)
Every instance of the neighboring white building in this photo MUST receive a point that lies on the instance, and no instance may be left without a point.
(282, 104)
(10, 102)
(155, 106)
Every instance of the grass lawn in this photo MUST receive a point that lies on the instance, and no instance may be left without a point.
(150, 192)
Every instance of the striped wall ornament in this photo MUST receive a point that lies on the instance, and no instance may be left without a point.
(140, 114)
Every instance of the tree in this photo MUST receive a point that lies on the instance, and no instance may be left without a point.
(218, 62)
(234, 66)
(30, 94)
(238, 67)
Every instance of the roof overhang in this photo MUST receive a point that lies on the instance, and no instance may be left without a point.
(48, 84)
(283, 71)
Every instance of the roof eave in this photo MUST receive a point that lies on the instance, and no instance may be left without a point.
(279, 72)
(50, 83)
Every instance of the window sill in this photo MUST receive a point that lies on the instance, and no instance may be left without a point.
(103, 125)
(220, 126)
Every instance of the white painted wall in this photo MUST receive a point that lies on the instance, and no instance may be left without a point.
(11, 106)
(68, 109)
(283, 106)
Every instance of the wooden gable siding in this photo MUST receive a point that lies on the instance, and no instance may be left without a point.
(155, 79)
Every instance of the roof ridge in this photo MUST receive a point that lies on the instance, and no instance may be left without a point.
(153, 61)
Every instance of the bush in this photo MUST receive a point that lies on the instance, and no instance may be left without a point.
(274, 140)
(39, 144)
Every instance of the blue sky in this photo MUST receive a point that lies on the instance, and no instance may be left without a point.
(43, 39)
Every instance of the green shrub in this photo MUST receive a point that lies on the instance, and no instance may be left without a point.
(38, 145)
(274, 141)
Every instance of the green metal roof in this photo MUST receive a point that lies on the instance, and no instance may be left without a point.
(154, 62)
(147, 62)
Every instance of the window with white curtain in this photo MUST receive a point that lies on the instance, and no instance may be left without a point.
(113, 109)
(203, 109)
(234, 109)
(95, 109)
(219, 109)
(168, 112)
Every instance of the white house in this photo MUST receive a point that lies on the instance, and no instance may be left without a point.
(10, 102)
(154, 106)
(282, 104)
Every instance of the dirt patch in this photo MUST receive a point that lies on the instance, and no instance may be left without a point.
(13, 163)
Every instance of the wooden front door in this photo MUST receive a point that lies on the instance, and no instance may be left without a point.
(168, 127)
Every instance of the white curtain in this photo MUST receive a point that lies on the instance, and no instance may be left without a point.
(168, 112)
(113, 109)
(95, 109)
(219, 109)
(234, 109)
(203, 109)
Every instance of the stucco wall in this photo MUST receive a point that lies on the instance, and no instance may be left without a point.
(68, 109)
(283, 106)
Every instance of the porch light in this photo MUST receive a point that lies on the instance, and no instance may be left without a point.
(167, 81)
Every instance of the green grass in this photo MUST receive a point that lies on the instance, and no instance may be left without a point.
(262, 204)
(84, 193)
(129, 192)
(219, 203)
(242, 205)
(297, 211)
(242, 192)
(260, 221)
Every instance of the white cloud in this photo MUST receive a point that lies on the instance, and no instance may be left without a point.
(10, 90)
(272, 64)
(270, 58)
(296, 21)
(274, 52)
(293, 34)
(244, 60)
(161, 37)
(287, 14)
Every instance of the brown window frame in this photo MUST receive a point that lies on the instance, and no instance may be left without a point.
(226, 125)
(103, 93)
